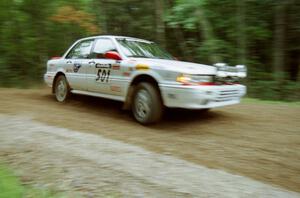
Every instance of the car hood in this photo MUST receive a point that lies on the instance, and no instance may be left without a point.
(178, 66)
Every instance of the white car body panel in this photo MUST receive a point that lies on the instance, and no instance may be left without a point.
(85, 81)
(178, 66)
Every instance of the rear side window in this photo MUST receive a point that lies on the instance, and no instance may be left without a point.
(101, 47)
(81, 50)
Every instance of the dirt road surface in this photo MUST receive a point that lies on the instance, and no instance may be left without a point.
(256, 141)
(94, 163)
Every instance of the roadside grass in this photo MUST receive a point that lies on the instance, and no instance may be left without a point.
(11, 187)
(271, 102)
(9, 184)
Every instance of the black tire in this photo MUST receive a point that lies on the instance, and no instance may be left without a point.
(147, 107)
(204, 110)
(61, 89)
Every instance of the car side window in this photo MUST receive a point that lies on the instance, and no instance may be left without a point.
(81, 50)
(101, 47)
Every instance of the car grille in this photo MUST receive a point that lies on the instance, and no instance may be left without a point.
(223, 80)
(227, 95)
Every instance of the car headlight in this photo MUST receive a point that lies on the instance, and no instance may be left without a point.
(190, 79)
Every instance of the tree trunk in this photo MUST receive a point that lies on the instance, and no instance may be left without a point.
(279, 40)
(181, 43)
(241, 37)
(160, 24)
(179, 35)
(101, 15)
(207, 32)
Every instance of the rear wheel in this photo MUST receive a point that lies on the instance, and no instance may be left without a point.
(147, 106)
(62, 89)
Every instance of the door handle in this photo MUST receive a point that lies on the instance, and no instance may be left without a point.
(92, 62)
(69, 62)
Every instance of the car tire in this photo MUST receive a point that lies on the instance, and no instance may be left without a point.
(147, 107)
(61, 89)
(204, 110)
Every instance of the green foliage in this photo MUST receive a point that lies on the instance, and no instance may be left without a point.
(204, 31)
(219, 47)
(271, 102)
(11, 187)
(273, 90)
(29, 38)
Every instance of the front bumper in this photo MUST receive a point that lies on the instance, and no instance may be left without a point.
(201, 97)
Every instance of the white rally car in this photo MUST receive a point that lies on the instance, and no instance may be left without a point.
(143, 76)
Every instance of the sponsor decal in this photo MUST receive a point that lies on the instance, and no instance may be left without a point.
(126, 73)
(115, 88)
(116, 67)
(76, 67)
(142, 67)
(103, 66)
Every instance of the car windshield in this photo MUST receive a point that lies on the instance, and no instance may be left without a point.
(142, 49)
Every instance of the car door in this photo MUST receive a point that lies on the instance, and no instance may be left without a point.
(102, 71)
(76, 64)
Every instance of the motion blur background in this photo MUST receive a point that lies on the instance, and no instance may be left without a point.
(262, 34)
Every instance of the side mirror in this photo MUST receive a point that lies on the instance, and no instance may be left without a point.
(112, 55)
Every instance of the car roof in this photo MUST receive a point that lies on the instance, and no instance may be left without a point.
(116, 37)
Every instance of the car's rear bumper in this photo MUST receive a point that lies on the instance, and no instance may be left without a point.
(48, 78)
(201, 97)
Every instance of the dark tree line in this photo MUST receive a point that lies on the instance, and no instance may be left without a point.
(263, 34)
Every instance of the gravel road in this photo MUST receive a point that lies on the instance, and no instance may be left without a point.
(95, 166)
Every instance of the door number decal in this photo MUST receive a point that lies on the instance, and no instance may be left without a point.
(103, 75)
(103, 72)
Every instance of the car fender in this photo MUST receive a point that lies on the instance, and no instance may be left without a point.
(130, 87)
(59, 71)
(149, 72)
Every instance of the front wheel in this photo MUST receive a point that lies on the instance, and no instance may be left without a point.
(62, 89)
(204, 110)
(147, 106)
